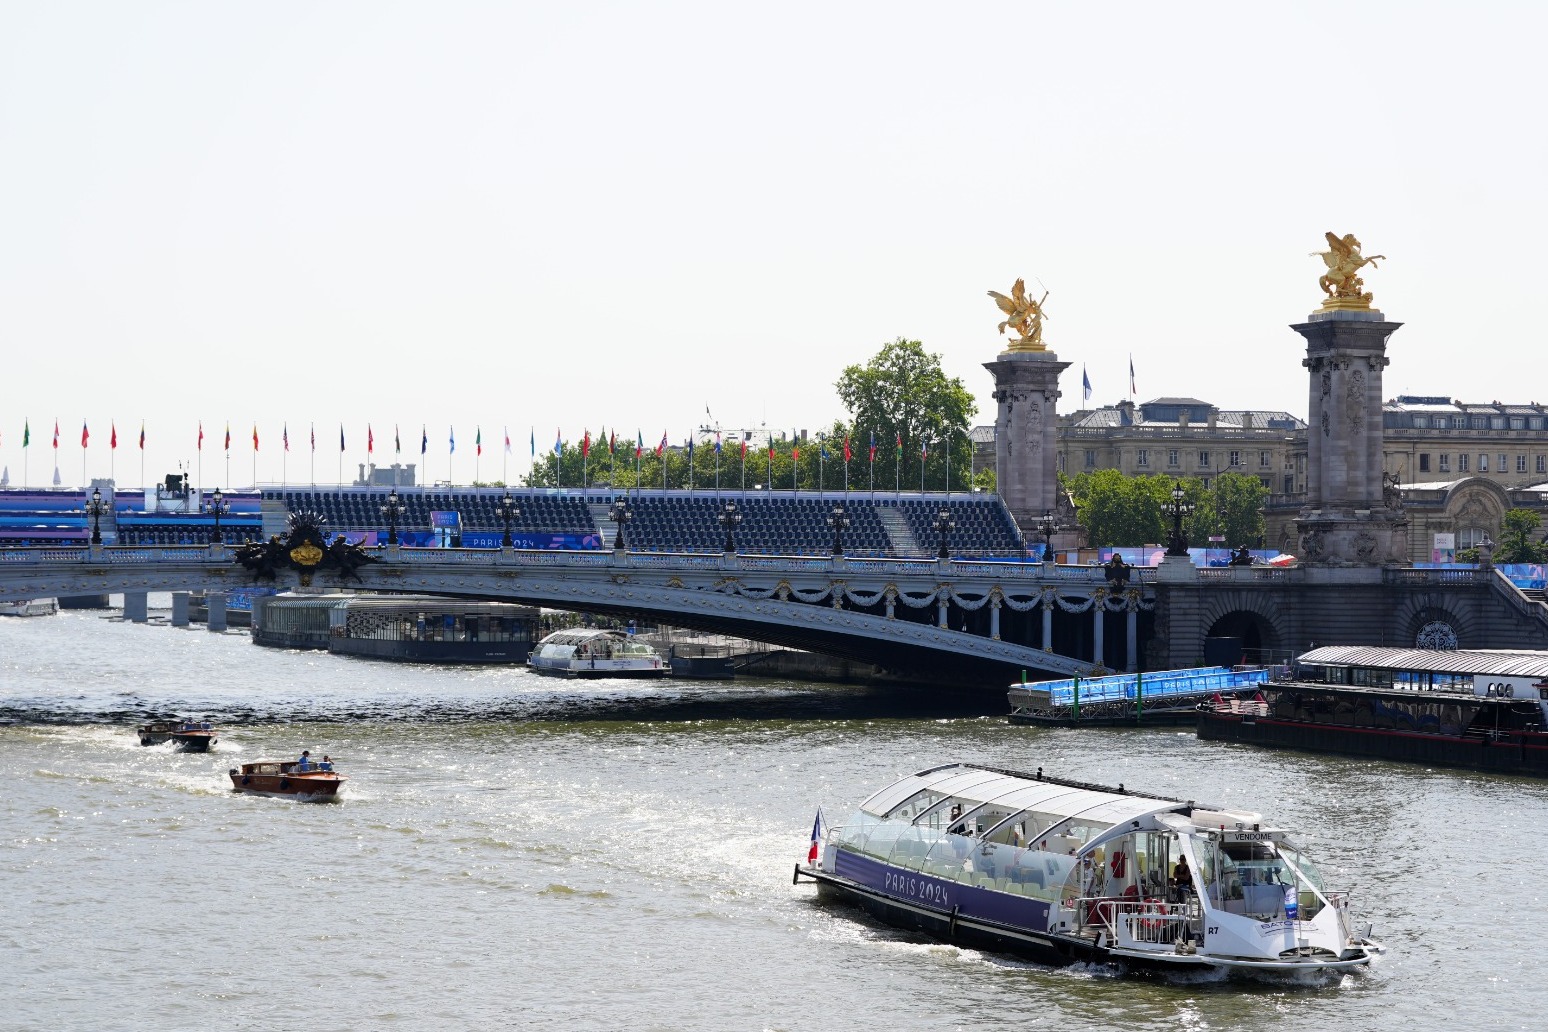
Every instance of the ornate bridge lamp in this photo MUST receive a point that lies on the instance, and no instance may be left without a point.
(838, 522)
(730, 519)
(508, 511)
(217, 508)
(95, 508)
(1045, 523)
(393, 510)
(1179, 508)
(943, 526)
(622, 514)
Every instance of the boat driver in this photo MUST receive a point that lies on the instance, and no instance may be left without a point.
(1182, 880)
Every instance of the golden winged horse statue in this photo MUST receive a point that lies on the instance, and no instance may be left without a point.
(1023, 315)
(1342, 282)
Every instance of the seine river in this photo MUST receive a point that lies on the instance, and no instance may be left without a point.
(515, 852)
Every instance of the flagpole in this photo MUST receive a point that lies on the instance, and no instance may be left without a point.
(314, 453)
(113, 455)
(948, 465)
(142, 454)
(505, 459)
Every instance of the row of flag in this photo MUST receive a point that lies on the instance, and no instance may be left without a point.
(610, 440)
(85, 435)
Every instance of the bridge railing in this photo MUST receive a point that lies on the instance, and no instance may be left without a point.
(1420, 578)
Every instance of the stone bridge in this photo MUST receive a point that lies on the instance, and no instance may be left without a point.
(950, 621)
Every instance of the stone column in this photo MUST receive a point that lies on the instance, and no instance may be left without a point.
(136, 606)
(1132, 622)
(941, 613)
(215, 608)
(1048, 625)
(179, 609)
(994, 618)
(1098, 611)
(1026, 447)
(1346, 521)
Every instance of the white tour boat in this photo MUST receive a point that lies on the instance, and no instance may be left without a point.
(30, 607)
(592, 653)
(1063, 871)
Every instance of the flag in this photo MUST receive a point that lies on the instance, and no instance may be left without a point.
(924, 448)
(142, 435)
(1085, 385)
(639, 446)
(478, 440)
(811, 854)
(612, 443)
(370, 440)
(900, 447)
(285, 435)
(341, 437)
(771, 446)
(26, 432)
(424, 440)
(586, 445)
(795, 449)
(660, 448)
(201, 435)
(717, 442)
(314, 438)
(873, 447)
(228, 436)
(85, 434)
(451, 440)
(822, 447)
(532, 440)
(690, 447)
(744, 453)
(255, 437)
(113, 434)
(507, 440)
(846, 447)
(558, 442)
(56, 434)
(1132, 389)
(397, 441)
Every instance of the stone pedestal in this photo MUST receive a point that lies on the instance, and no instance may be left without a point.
(215, 611)
(179, 609)
(1346, 520)
(1026, 388)
(136, 606)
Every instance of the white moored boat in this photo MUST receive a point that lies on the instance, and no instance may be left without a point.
(590, 653)
(1063, 871)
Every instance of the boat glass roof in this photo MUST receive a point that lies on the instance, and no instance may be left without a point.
(1502, 662)
(1019, 792)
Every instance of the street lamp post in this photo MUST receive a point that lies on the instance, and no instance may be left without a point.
(838, 521)
(1045, 523)
(730, 519)
(393, 510)
(622, 514)
(1179, 508)
(944, 525)
(217, 508)
(95, 508)
(507, 510)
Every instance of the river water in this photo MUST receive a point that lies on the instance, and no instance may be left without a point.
(519, 852)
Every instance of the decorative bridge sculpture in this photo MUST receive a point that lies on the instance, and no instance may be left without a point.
(865, 609)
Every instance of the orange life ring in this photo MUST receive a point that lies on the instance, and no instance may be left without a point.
(1152, 919)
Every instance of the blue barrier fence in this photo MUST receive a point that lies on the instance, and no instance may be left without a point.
(1158, 685)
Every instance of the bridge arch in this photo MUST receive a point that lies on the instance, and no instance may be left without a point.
(1249, 616)
(1429, 617)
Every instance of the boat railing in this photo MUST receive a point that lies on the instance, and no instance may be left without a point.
(1129, 921)
(1243, 707)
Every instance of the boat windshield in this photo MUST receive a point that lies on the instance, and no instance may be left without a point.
(1258, 878)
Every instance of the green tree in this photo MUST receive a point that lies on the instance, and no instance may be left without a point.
(903, 395)
(1117, 509)
(1516, 544)
(1231, 508)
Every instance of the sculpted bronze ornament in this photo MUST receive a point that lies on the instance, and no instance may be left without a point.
(304, 550)
(1023, 315)
(1342, 283)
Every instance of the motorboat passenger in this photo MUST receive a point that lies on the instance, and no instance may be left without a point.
(1182, 881)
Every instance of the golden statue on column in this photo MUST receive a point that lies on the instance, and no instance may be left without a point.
(1342, 283)
(1023, 315)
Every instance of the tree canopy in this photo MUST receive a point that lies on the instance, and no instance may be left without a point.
(1117, 509)
(903, 395)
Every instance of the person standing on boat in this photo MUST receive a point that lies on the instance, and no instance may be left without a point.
(1182, 880)
(305, 762)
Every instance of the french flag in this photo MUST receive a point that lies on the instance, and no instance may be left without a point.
(811, 854)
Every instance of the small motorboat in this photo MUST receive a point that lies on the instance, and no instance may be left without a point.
(318, 781)
(188, 735)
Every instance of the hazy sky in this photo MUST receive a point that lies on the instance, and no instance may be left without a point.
(558, 215)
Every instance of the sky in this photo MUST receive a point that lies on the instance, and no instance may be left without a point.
(551, 217)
